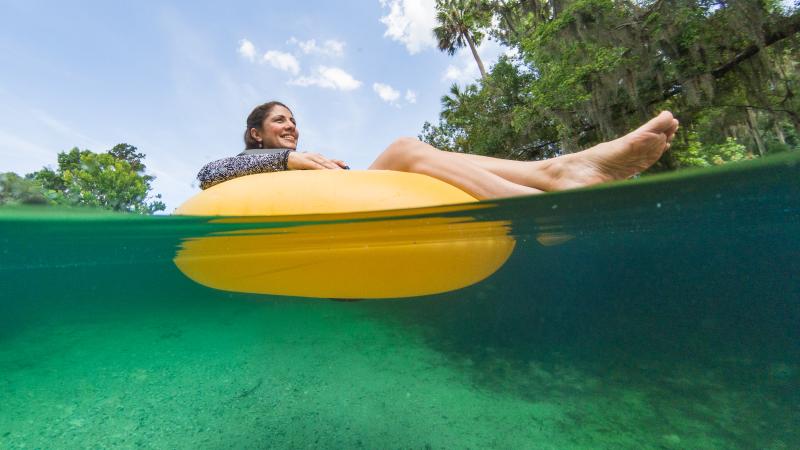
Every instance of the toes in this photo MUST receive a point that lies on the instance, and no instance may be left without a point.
(665, 117)
(662, 123)
(672, 130)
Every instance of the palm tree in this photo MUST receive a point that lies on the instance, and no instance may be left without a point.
(452, 102)
(457, 22)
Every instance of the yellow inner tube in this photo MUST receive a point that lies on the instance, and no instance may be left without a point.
(348, 256)
(322, 192)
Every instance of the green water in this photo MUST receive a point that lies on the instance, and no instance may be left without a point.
(669, 320)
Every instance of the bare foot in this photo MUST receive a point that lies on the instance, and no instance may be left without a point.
(617, 159)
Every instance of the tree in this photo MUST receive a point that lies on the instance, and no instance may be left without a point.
(459, 21)
(112, 180)
(15, 189)
(453, 101)
(485, 119)
(590, 70)
(126, 152)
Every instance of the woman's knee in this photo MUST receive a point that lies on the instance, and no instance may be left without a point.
(404, 145)
(399, 155)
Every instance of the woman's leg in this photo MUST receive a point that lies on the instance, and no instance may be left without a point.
(486, 177)
(527, 173)
(412, 155)
(614, 160)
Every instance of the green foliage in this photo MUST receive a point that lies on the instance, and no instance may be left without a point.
(460, 24)
(484, 120)
(113, 180)
(781, 137)
(696, 154)
(590, 70)
(126, 152)
(459, 20)
(16, 190)
(444, 136)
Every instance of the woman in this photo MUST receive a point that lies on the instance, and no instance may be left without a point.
(271, 139)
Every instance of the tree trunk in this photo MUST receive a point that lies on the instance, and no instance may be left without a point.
(753, 124)
(779, 133)
(556, 7)
(512, 28)
(795, 119)
(475, 54)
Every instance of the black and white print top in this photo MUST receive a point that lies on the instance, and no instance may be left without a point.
(248, 162)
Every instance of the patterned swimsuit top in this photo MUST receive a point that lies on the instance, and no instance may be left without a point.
(248, 162)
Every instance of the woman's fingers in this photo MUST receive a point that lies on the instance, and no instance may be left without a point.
(324, 162)
(303, 161)
(312, 161)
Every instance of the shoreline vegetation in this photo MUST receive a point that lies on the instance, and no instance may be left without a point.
(582, 72)
(114, 180)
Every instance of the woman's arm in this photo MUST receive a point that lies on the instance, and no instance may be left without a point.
(226, 169)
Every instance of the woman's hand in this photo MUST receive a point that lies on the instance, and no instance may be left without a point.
(312, 161)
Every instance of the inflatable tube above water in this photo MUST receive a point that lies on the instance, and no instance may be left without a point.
(385, 257)
(321, 191)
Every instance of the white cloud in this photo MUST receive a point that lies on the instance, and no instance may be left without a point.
(410, 22)
(330, 47)
(386, 92)
(247, 50)
(329, 78)
(457, 73)
(392, 96)
(282, 61)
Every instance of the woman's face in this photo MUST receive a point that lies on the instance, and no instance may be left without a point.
(279, 129)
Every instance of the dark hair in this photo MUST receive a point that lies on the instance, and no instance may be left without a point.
(256, 119)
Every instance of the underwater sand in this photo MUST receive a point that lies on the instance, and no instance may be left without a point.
(327, 375)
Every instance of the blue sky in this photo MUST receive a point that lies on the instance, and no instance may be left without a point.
(177, 79)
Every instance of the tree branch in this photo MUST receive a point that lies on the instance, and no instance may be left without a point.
(783, 29)
(786, 28)
(760, 108)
